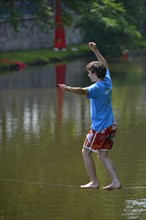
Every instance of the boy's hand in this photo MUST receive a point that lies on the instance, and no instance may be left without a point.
(63, 87)
(92, 46)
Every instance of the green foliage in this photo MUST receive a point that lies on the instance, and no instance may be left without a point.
(43, 13)
(13, 11)
(134, 10)
(108, 24)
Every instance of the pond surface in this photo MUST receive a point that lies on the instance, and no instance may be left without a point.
(42, 133)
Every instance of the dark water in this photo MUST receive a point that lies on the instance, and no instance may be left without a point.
(42, 132)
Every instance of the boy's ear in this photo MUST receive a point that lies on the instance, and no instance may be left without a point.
(92, 71)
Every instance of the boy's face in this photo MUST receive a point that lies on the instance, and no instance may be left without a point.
(92, 76)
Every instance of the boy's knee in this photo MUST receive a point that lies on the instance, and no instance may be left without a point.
(102, 156)
(85, 152)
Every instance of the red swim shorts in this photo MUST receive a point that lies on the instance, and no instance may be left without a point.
(102, 140)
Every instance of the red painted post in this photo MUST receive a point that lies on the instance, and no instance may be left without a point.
(60, 79)
(60, 41)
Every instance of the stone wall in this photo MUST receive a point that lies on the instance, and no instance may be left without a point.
(30, 36)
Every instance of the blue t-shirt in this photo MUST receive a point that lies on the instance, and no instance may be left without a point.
(100, 95)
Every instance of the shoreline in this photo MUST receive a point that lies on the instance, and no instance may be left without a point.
(16, 60)
(21, 59)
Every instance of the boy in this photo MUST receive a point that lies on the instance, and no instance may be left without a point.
(103, 129)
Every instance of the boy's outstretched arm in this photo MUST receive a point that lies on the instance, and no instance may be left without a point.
(100, 58)
(76, 90)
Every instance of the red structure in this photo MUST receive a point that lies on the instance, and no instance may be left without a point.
(60, 79)
(19, 65)
(125, 55)
(60, 42)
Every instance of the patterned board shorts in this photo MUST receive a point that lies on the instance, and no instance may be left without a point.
(102, 140)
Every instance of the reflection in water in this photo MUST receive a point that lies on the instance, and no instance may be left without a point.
(60, 79)
(42, 132)
(135, 209)
(31, 119)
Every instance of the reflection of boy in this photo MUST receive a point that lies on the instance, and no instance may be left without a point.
(103, 129)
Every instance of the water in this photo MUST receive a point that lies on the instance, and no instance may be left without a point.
(42, 132)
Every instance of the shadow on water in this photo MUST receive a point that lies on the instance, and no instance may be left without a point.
(42, 132)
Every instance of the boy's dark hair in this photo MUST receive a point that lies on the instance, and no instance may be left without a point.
(98, 68)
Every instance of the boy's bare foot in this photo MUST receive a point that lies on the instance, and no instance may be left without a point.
(90, 186)
(112, 186)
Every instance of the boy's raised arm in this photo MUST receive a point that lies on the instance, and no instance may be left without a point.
(100, 58)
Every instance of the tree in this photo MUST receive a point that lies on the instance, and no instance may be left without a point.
(109, 23)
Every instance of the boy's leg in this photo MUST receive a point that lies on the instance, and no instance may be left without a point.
(103, 155)
(91, 170)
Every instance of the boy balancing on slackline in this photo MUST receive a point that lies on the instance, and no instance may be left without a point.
(103, 129)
